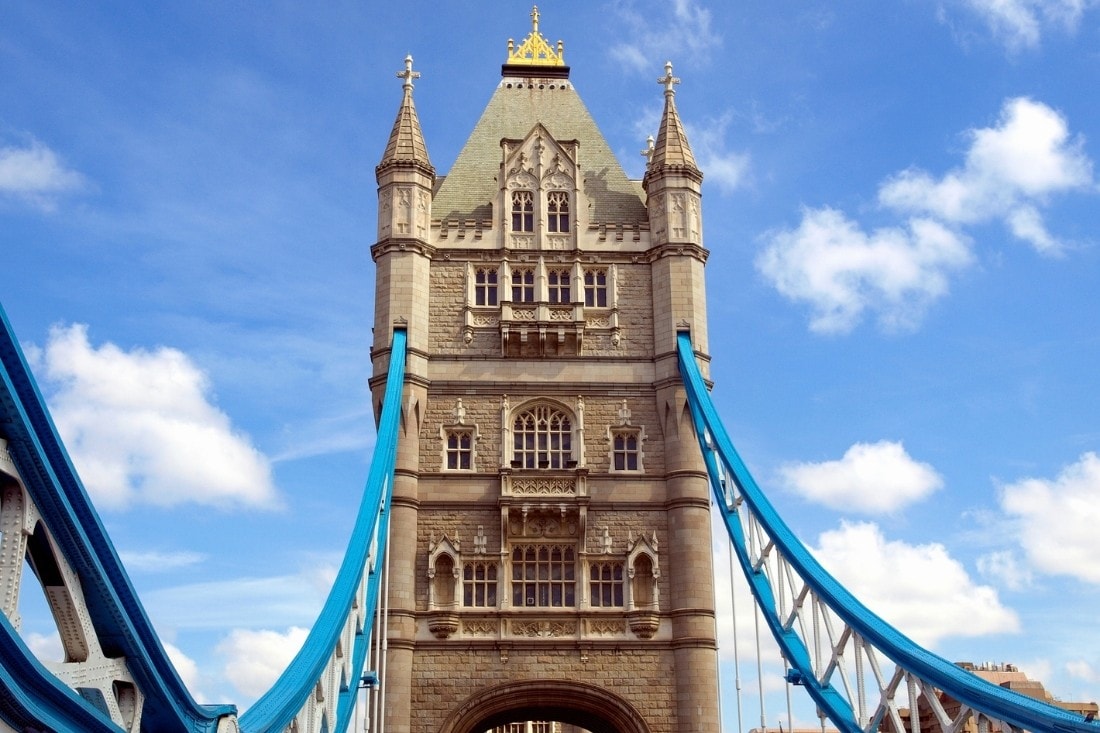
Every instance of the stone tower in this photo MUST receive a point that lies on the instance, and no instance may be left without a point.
(550, 552)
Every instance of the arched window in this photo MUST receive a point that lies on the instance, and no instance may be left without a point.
(558, 282)
(523, 286)
(542, 438)
(543, 575)
(485, 286)
(606, 584)
(479, 584)
(595, 288)
(557, 211)
(523, 211)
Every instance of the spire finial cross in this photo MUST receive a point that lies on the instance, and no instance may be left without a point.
(408, 74)
(535, 18)
(668, 79)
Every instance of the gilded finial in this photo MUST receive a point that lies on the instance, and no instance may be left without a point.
(535, 50)
(408, 74)
(668, 79)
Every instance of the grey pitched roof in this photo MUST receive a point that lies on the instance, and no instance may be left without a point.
(517, 106)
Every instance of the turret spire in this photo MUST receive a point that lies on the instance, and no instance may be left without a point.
(406, 144)
(671, 148)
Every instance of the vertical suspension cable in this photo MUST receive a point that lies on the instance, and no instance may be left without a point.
(787, 686)
(380, 724)
(379, 655)
(736, 655)
(759, 669)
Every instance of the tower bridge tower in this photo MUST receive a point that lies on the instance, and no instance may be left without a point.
(550, 554)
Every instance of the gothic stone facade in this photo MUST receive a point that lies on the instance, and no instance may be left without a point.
(550, 544)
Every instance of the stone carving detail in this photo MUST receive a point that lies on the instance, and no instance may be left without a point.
(544, 486)
(485, 319)
(523, 241)
(544, 629)
(523, 314)
(561, 314)
(606, 626)
(442, 624)
(557, 242)
(600, 322)
(479, 627)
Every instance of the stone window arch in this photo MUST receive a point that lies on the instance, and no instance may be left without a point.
(542, 437)
(557, 212)
(523, 211)
(443, 575)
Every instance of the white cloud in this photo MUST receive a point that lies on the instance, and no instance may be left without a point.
(919, 589)
(141, 428)
(1004, 567)
(1009, 172)
(185, 666)
(36, 174)
(1021, 23)
(1057, 519)
(255, 659)
(841, 271)
(654, 36)
(871, 478)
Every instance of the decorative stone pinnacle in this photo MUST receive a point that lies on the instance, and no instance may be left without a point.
(408, 74)
(668, 79)
(649, 145)
(535, 18)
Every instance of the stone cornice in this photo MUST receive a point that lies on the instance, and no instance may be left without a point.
(390, 246)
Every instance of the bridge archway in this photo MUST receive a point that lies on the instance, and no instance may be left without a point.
(587, 706)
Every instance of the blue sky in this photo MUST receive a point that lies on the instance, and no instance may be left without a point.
(901, 204)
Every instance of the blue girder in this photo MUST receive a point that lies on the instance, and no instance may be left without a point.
(122, 627)
(278, 706)
(996, 702)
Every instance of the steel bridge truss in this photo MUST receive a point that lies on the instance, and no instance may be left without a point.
(859, 670)
(116, 675)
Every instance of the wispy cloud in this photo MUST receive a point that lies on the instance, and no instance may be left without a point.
(662, 31)
(1010, 172)
(36, 174)
(871, 478)
(1020, 24)
(141, 427)
(157, 562)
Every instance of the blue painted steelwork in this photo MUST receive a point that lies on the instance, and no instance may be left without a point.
(924, 670)
(278, 707)
(122, 627)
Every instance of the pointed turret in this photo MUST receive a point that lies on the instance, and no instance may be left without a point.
(405, 175)
(671, 151)
(406, 144)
